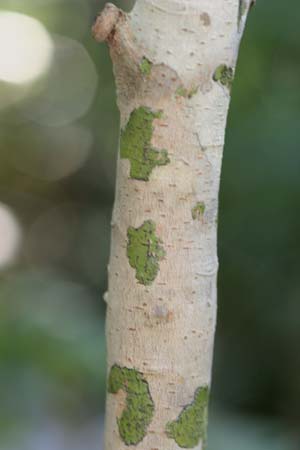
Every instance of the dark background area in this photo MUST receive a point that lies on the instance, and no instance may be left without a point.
(58, 144)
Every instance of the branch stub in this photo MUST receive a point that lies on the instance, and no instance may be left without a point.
(106, 22)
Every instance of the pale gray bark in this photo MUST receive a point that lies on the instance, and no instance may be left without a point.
(174, 61)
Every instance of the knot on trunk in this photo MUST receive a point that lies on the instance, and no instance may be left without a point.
(106, 22)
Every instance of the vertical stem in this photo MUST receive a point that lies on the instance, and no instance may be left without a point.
(174, 63)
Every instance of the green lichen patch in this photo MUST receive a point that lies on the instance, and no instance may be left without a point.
(224, 75)
(144, 251)
(198, 211)
(191, 425)
(138, 413)
(146, 66)
(136, 144)
(187, 93)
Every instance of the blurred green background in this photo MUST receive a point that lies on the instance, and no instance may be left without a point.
(58, 143)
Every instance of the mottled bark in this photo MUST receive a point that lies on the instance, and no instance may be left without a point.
(174, 63)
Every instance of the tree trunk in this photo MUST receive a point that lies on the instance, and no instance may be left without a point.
(174, 63)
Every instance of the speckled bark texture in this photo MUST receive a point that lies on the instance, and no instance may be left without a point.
(174, 62)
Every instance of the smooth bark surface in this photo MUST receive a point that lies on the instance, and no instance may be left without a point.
(174, 63)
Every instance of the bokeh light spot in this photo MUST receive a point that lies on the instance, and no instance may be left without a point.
(69, 87)
(50, 154)
(25, 47)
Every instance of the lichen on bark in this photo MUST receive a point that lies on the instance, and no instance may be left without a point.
(144, 251)
(138, 413)
(146, 66)
(187, 93)
(198, 211)
(136, 144)
(224, 75)
(191, 425)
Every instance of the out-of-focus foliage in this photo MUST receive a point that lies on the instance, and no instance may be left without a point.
(58, 146)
